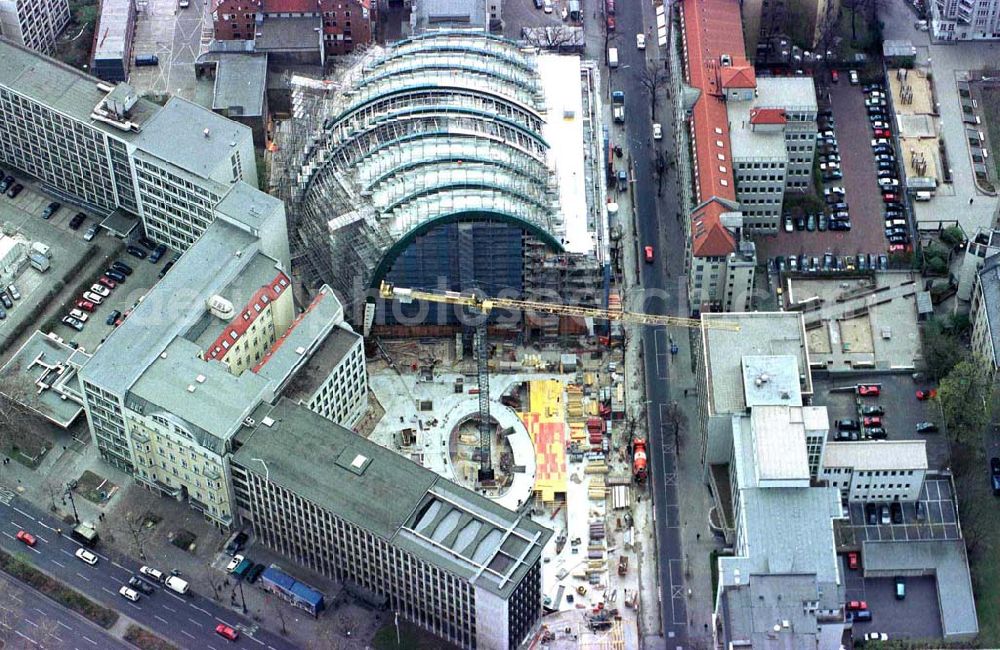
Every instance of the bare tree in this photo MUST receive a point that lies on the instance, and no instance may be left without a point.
(652, 79)
(9, 609)
(280, 611)
(554, 37)
(16, 416)
(134, 526)
(47, 634)
(213, 580)
(53, 487)
(676, 423)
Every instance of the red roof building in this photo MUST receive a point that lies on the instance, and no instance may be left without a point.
(344, 23)
(768, 116)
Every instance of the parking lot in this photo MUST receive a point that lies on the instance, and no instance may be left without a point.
(851, 146)
(915, 617)
(938, 521)
(902, 409)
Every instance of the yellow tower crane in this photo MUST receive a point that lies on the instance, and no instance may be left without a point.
(484, 305)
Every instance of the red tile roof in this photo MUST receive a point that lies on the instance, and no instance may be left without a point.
(713, 28)
(242, 321)
(738, 76)
(768, 116)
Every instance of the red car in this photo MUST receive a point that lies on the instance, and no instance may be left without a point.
(648, 253)
(857, 605)
(897, 248)
(883, 133)
(26, 537)
(869, 390)
(85, 305)
(874, 421)
(853, 561)
(224, 630)
(834, 76)
(889, 198)
(108, 282)
(926, 394)
(611, 23)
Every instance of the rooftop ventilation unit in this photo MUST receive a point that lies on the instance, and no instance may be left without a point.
(190, 388)
(200, 379)
(220, 307)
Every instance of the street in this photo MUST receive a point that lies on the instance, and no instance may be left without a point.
(656, 225)
(188, 621)
(28, 615)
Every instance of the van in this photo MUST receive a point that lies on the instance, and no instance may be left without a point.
(41, 249)
(176, 584)
(900, 588)
(923, 196)
(147, 59)
(612, 57)
(39, 262)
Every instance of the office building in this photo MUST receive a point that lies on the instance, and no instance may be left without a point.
(107, 148)
(882, 470)
(35, 24)
(984, 313)
(715, 65)
(965, 20)
(284, 26)
(115, 32)
(444, 557)
(215, 338)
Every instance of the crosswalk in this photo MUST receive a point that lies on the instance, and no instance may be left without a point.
(6, 496)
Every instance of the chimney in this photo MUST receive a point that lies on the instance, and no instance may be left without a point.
(206, 132)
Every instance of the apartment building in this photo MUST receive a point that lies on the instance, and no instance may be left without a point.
(107, 148)
(167, 390)
(35, 24)
(805, 21)
(980, 247)
(963, 20)
(443, 557)
(881, 470)
(984, 312)
(343, 25)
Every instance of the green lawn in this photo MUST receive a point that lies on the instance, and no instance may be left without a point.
(410, 638)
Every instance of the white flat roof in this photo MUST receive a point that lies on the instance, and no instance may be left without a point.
(877, 454)
(779, 444)
(563, 131)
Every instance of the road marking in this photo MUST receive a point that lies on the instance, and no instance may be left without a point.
(39, 611)
(63, 624)
(84, 577)
(256, 639)
(18, 510)
(136, 606)
(57, 563)
(173, 596)
(195, 622)
(15, 597)
(41, 538)
(67, 552)
(119, 566)
(108, 590)
(203, 611)
(159, 618)
(169, 608)
(16, 525)
(30, 622)
(89, 639)
(186, 633)
(25, 636)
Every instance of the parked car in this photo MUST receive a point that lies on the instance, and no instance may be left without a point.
(871, 514)
(900, 590)
(100, 290)
(157, 253)
(107, 282)
(873, 421)
(926, 427)
(14, 191)
(115, 275)
(788, 225)
(72, 322)
(6, 183)
(884, 517)
(873, 410)
(869, 390)
(848, 424)
(139, 584)
(93, 297)
(233, 563)
(91, 232)
(855, 605)
(135, 251)
(25, 537)
(853, 561)
(926, 393)
(79, 314)
(876, 433)
(50, 210)
(86, 556)
(876, 636)
(6, 301)
(236, 543)
(129, 594)
(647, 253)
(85, 305)
(122, 267)
(113, 317)
(77, 221)
(14, 293)
(254, 573)
(853, 75)
(896, 511)
(155, 574)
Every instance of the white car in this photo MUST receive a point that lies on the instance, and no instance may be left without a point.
(788, 224)
(888, 182)
(233, 563)
(640, 41)
(184, 4)
(93, 297)
(100, 290)
(854, 77)
(155, 574)
(657, 131)
(131, 594)
(86, 556)
(834, 190)
(80, 315)
(876, 636)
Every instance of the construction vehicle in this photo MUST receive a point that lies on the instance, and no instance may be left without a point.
(639, 459)
(484, 305)
(622, 565)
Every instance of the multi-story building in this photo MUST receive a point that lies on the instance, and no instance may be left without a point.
(343, 25)
(981, 246)
(107, 148)
(112, 53)
(807, 22)
(170, 386)
(985, 313)
(881, 470)
(443, 557)
(35, 24)
(715, 65)
(961, 20)
(773, 136)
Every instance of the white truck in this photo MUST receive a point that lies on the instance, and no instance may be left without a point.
(176, 584)
(612, 57)
(41, 249)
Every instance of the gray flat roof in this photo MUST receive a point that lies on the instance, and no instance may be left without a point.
(989, 279)
(289, 34)
(319, 337)
(438, 14)
(248, 205)
(391, 496)
(947, 561)
(871, 455)
(771, 380)
(176, 134)
(240, 82)
(209, 264)
(761, 333)
(790, 93)
(44, 361)
(216, 405)
(112, 26)
(765, 143)
(62, 88)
